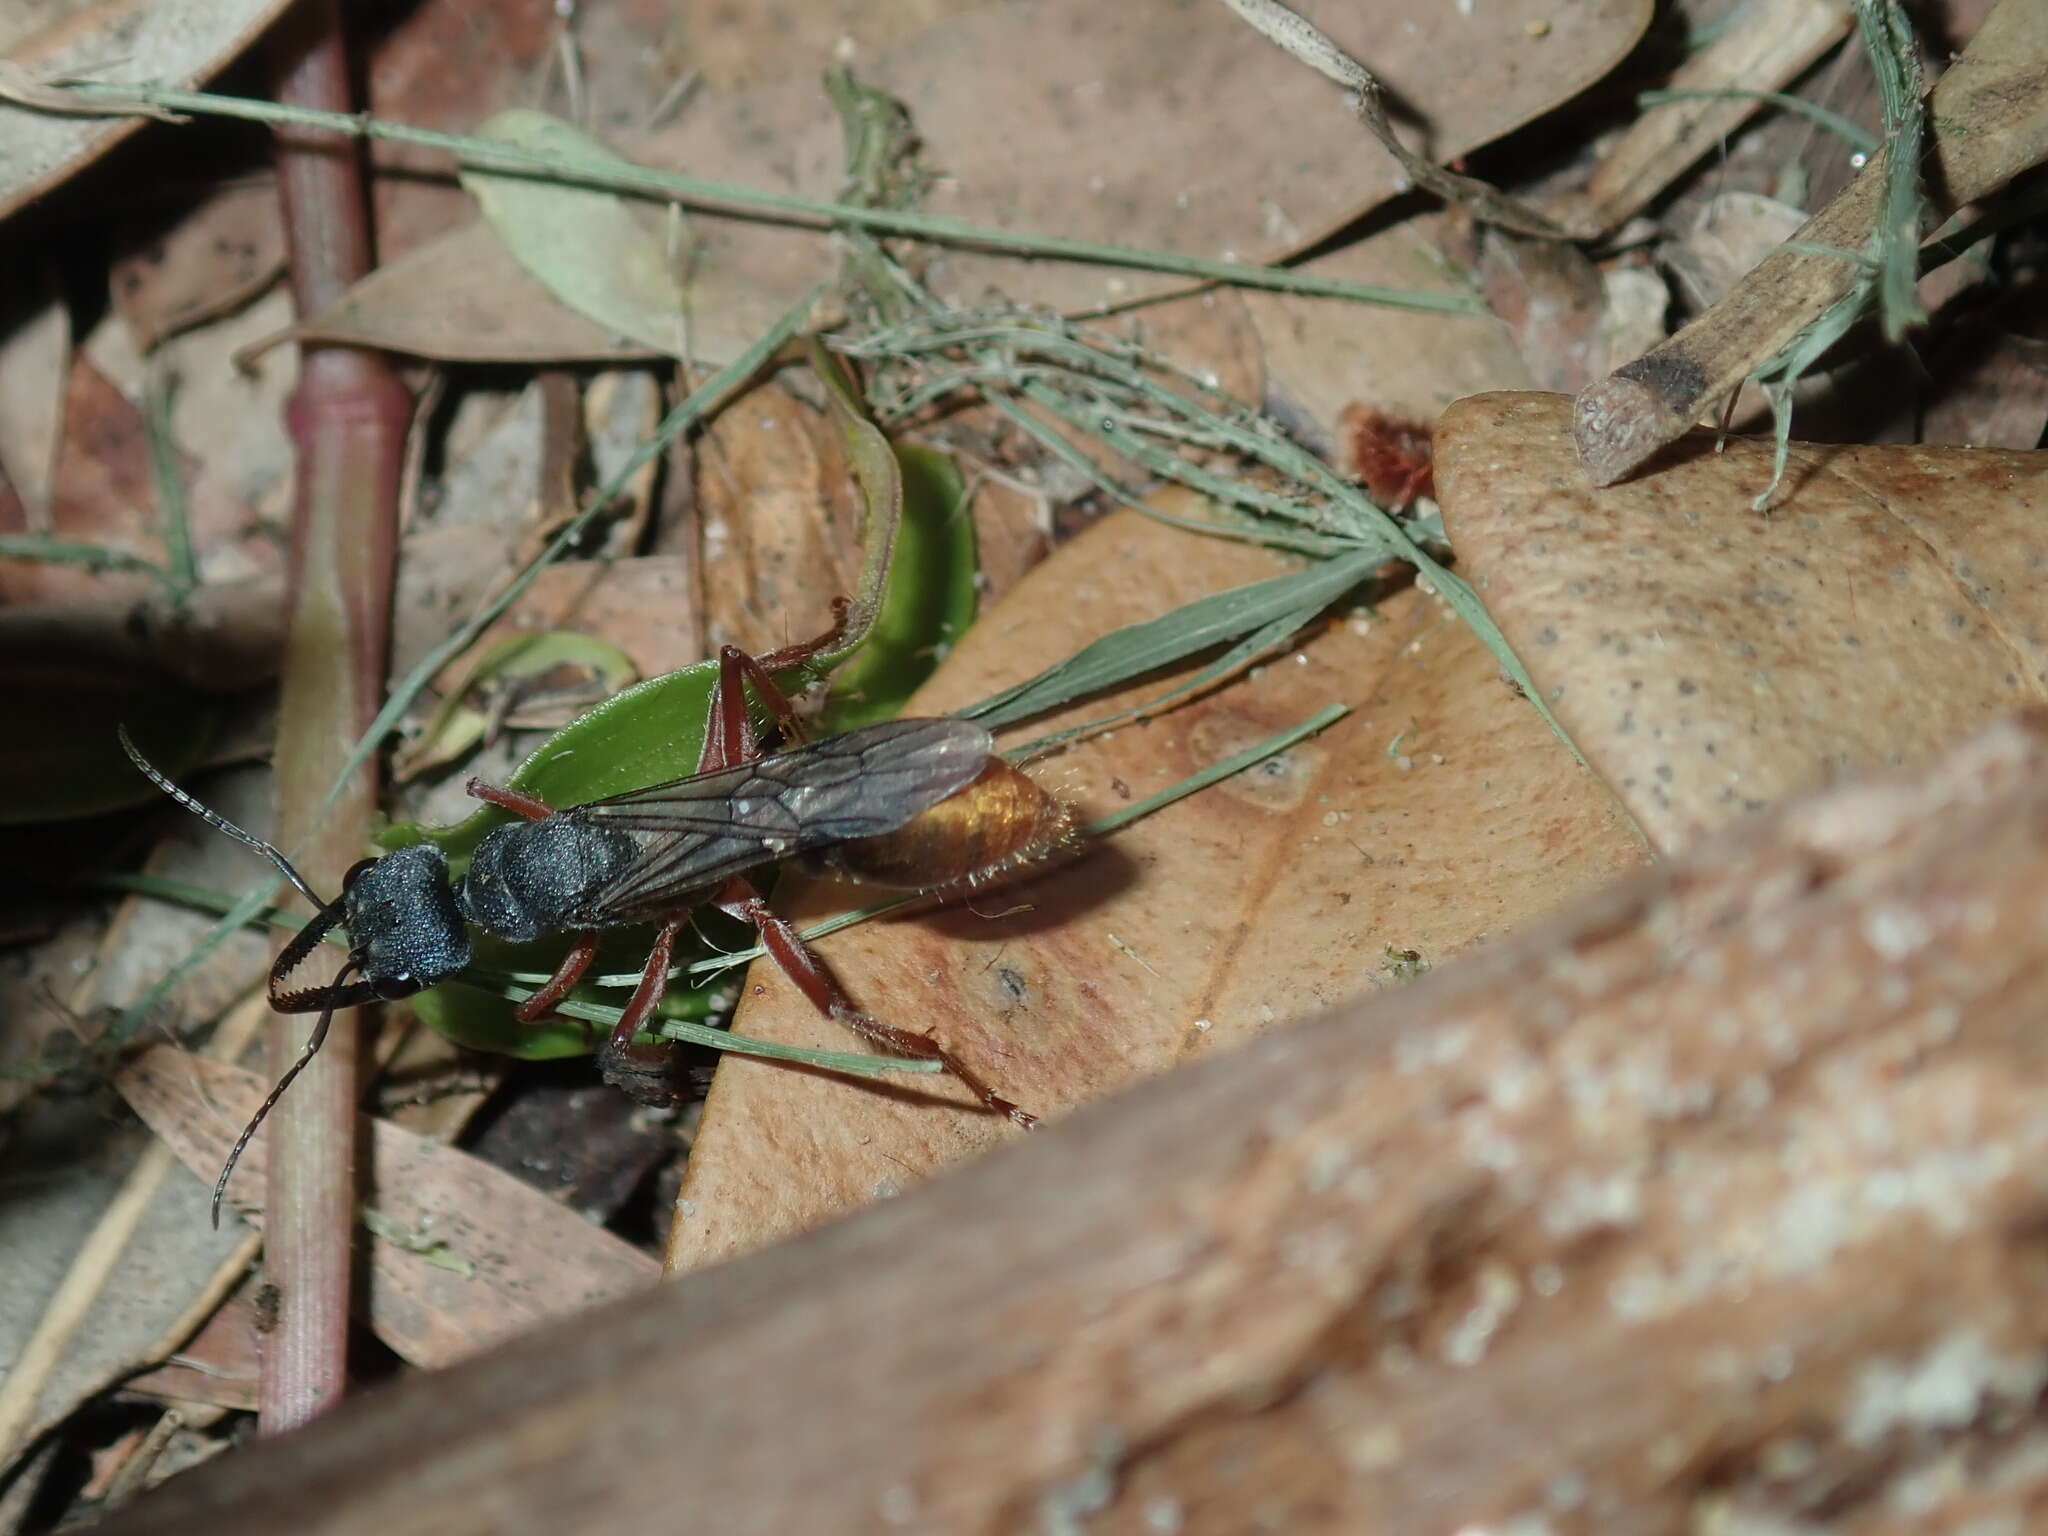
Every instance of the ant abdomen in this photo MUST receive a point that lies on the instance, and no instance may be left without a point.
(999, 821)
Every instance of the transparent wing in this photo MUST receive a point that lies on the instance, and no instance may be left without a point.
(693, 833)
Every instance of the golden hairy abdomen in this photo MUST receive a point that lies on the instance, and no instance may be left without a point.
(999, 821)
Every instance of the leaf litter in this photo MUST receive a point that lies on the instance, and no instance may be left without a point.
(1117, 973)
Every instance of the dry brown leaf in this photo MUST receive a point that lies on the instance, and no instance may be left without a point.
(781, 524)
(1157, 125)
(1713, 1206)
(1709, 659)
(1987, 124)
(1989, 378)
(529, 1258)
(35, 360)
(1153, 125)
(1321, 357)
(642, 606)
(1730, 233)
(1550, 297)
(1762, 47)
(119, 42)
(1261, 900)
(219, 1365)
(461, 298)
(102, 494)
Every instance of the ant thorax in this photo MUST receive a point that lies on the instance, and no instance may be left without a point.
(533, 878)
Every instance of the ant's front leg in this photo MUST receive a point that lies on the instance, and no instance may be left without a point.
(515, 801)
(801, 964)
(644, 1072)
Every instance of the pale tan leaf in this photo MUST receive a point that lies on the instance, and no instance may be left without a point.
(462, 298)
(1168, 126)
(1438, 814)
(177, 43)
(35, 360)
(1709, 659)
(782, 531)
(465, 298)
(528, 1257)
(615, 261)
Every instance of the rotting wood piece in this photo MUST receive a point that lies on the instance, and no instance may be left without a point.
(1721, 1197)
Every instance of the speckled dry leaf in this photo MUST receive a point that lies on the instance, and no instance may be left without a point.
(528, 1258)
(177, 43)
(1258, 901)
(1709, 659)
(213, 258)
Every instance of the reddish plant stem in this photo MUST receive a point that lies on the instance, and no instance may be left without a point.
(348, 419)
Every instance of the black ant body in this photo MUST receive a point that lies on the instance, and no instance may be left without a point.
(906, 803)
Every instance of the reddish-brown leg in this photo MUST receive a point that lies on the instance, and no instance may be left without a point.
(729, 737)
(802, 965)
(735, 663)
(643, 1070)
(511, 800)
(557, 986)
(785, 657)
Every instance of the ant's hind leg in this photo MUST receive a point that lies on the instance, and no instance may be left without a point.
(802, 965)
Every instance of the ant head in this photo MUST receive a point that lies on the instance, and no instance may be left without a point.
(404, 931)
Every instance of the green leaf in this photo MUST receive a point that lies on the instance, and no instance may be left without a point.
(604, 256)
(928, 603)
(457, 725)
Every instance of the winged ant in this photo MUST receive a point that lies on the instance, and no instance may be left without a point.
(914, 804)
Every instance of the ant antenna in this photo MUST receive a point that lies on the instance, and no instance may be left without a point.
(313, 1043)
(214, 819)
